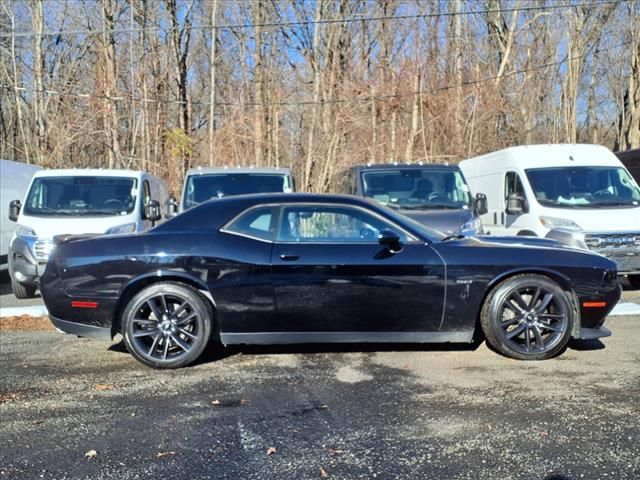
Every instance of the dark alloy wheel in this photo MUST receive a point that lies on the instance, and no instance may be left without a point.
(167, 325)
(528, 317)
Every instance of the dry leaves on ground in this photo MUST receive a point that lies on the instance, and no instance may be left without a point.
(164, 454)
(25, 323)
(271, 450)
(91, 454)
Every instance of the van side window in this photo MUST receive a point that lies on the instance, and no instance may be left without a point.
(513, 184)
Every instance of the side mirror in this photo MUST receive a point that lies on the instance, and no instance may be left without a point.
(152, 211)
(481, 204)
(14, 210)
(515, 204)
(391, 240)
(171, 208)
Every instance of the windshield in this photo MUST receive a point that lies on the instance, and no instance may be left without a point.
(78, 196)
(200, 188)
(584, 187)
(414, 188)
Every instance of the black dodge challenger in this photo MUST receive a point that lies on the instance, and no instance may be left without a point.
(301, 268)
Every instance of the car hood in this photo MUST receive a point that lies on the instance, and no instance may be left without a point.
(445, 221)
(525, 242)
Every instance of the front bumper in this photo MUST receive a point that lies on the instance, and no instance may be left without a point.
(23, 264)
(81, 329)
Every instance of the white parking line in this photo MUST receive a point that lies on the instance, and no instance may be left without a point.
(36, 311)
(626, 309)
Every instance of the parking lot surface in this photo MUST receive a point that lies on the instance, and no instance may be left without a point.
(76, 408)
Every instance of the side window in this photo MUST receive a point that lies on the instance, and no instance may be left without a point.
(513, 184)
(146, 193)
(258, 223)
(320, 223)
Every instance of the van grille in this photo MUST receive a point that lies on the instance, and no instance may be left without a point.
(42, 249)
(614, 243)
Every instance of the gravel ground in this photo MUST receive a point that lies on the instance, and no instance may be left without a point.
(76, 408)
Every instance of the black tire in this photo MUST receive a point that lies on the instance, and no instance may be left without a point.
(528, 317)
(634, 280)
(167, 325)
(21, 290)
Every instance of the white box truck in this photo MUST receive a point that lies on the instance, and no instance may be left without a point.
(579, 194)
(77, 202)
(15, 178)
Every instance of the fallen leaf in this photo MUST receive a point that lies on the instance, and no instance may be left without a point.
(271, 450)
(91, 454)
(164, 454)
(335, 451)
(102, 387)
(244, 402)
(324, 473)
(215, 402)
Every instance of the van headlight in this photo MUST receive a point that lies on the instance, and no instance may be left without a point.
(554, 222)
(472, 226)
(126, 228)
(25, 232)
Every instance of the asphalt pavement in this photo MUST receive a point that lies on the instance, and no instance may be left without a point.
(81, 409)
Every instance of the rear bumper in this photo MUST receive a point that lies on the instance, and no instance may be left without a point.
(81, 329)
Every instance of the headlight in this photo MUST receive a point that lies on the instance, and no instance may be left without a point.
(25, 232)
(126, 228)
(553, 222)
(473, 226)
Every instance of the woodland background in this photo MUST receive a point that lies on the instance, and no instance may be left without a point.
(164, 85)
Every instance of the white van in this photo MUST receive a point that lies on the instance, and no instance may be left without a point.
(202, 184)
(77, 202)
(580, 194)
(15, 178)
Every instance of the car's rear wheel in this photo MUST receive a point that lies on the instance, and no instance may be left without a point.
(528, 317)
(167, 325)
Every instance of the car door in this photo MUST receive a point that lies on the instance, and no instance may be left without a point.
(331, 276)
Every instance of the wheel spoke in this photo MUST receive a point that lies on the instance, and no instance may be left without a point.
(144, 321)
(546, 300)
(146, 333)
(509, 321)
(550, 316)
(154, 344)
(534, 298)
(180, 309)
(163, 302)
(516, 331)
(188, 334)
(551, 328)
(154, 308)
(167, 342)
(538, 336)
(182, 321)
(181, 343)
(527, 338)
(520, 303)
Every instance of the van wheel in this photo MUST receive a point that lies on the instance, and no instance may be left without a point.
(527, 317)
(167, 325)
(21, 290)
(634, 280)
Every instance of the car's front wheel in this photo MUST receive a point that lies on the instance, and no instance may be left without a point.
(528, 317)
(167, 325)
(22, 291)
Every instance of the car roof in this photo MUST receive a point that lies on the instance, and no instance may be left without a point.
(405, 166)
(231, 170)
(93, 172)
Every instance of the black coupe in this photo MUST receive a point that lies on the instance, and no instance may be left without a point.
(300, 268)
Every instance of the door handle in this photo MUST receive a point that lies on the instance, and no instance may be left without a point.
(289, 257)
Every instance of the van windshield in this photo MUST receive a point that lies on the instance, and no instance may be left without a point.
(200, 188)
(81, 195)
(584, 187)
(414, 188)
